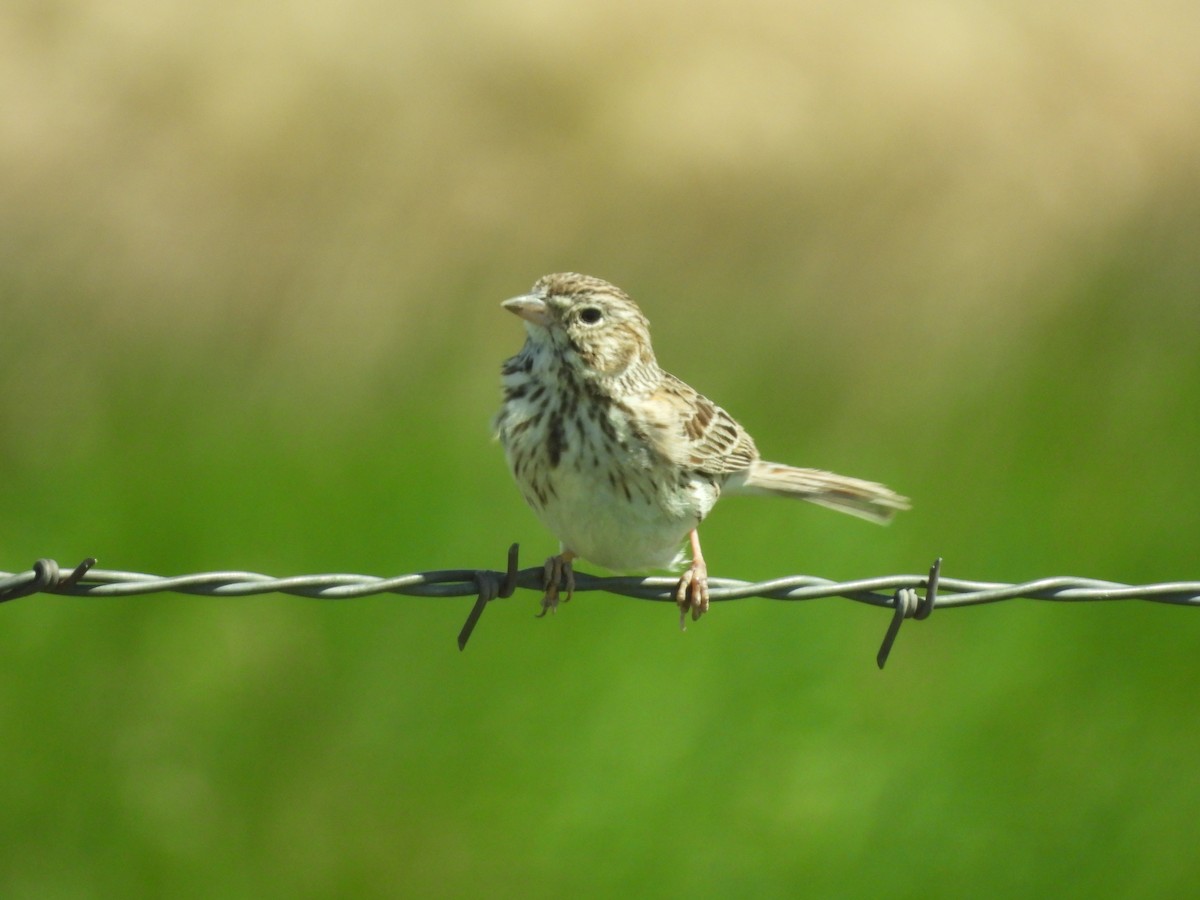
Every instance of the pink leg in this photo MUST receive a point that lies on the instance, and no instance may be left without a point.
(692, 592)
(557, 569)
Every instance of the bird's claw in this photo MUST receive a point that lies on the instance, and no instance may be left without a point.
(558, 573)
(691, 594)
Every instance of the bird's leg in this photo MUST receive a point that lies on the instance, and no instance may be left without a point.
(692, 592)
(557, 569)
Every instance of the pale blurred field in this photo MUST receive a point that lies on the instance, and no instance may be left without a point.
(251, 257)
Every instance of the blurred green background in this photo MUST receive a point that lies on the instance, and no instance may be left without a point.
(251, 257)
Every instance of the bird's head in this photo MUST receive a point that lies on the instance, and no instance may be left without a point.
(585, 322)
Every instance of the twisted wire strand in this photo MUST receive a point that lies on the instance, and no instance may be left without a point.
(900, 593)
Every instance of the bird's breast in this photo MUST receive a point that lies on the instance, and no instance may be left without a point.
(586, 468)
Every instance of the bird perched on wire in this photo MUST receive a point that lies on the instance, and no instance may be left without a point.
(621, 460)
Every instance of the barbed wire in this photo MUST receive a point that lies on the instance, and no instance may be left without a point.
(900, 593)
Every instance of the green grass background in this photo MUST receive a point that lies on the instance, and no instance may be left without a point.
(251, 258)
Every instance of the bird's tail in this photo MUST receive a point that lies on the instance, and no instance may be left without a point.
(864, 499)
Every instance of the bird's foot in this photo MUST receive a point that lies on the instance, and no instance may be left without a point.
(692, 593)
(559, 574)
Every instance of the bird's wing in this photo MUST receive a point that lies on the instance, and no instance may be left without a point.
(695, 433)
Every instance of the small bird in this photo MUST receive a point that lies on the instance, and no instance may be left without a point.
(621, 460)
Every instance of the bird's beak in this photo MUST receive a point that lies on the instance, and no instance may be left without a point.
(529, 307)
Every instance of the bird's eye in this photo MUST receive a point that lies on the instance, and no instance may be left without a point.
(590, 315)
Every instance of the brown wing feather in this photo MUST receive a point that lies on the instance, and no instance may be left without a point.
(695, 433)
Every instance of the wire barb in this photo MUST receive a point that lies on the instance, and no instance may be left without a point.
(490, 587)
(909, 605)
(45, 578)
(899, 593)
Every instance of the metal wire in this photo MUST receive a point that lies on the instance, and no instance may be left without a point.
(900, 593)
